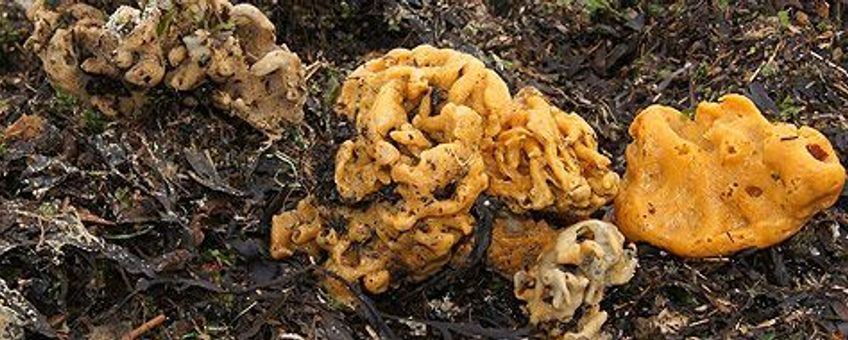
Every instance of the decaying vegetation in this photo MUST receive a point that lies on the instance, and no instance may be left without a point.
(157, 223)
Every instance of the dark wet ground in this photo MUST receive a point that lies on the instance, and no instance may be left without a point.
(181, 196)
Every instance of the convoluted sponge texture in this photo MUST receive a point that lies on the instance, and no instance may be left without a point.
(546, 159)
(111, 62)
(410, 104)
(433, 127)
(724, 181)
(587, 258)
(517, 243)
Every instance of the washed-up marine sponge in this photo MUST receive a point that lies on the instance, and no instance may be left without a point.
(375, 242)
(517, 243)
(428, 123)
(421, 117)
(298, 230)
(359, 252)
(571, 276)
(111, 62)
(410, 101)
(723, 181)
(353, 254)
(547, 160)
(538, 157)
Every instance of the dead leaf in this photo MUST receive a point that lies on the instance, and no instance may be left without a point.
(25, 128)
(87, 216)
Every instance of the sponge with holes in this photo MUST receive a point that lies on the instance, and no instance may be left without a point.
(723, 181)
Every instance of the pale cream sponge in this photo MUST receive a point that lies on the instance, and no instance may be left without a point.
(111, 62)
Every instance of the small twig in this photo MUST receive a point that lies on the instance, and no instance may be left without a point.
(145, 327)
(243, 312)
(313, 68)
(285, 158)
(831, 64)
(41, 220)
(365, 307)
(667, 81)
(769, 61)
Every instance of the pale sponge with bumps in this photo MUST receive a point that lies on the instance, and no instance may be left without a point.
(112, 62)
(572, 275)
